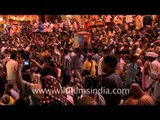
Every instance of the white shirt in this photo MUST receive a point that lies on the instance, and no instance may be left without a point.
(11, 68)
(100, 72)
(155, 68)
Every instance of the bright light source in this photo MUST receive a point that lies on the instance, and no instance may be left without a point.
(1, 19)
(68, 16)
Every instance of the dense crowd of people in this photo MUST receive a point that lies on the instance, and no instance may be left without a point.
(41, 56)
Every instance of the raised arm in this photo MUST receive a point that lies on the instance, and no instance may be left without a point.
(36, 64)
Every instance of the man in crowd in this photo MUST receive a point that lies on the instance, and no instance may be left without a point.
(11, 68)
(111, 80)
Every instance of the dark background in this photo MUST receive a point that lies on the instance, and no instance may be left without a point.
(79, 6)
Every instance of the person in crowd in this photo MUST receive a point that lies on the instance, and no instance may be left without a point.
(154, 74)
(50, 82)
(131, 70)
(111, 80)
(11, 68)
(77, 64)
(138, 96)
(89, 66)
(96, 55)
(14, 94)
(66, 68)
(120, 65)
(91, 85)
(7, 100)
(2, 80)
(27, 87)
(26, 71)
(104, 52)
(47, 68)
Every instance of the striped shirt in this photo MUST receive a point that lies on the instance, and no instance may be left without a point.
(67, 65)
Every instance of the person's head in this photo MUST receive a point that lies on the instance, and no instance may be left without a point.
(136, 45)
(87, 100)
(90, 50)
(105, 51)
(10, 86)
(91, 82)
(22, 101)
(78, 51)
(5, 99)
(136, 91)
(13, 55)
(49, 70)
(139, 62)
(134, 58)
(150, 56)
(95, 50)
(126, 45)
(47, 59)
(25, 55)
(89, 56)
(109, 64)
(51, 83)
(66, 51)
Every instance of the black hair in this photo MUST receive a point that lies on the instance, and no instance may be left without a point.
(90, 50)
(47, 58)
(95, 50)
(66, 51)
(25, 54)
(78, 50)
(22, 102)
(110, 59)
(10, 86)
(49, 70)
(13, 54)
(91, 82)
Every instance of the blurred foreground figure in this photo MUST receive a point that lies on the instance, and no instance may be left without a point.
(138, 96)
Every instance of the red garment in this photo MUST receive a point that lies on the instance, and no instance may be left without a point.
(87, 25)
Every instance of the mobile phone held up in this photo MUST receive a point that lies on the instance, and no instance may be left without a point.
(26, 63)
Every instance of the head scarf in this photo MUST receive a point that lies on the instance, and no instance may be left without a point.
(53, 94)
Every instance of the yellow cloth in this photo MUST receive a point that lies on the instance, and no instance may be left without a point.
(87, 66)
(11, 101)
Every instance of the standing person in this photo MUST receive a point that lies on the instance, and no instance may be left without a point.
(154, 74)
(96, 56)
(34, 89)
(111, 80)
(131, 70)
(11, 68)
(91, 83)
(120, 65)
(77, 65)
(105, 51)
(66, 68)
(89, 66)
(139, 22)
(2, 80)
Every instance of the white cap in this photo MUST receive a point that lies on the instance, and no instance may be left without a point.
(151, 54)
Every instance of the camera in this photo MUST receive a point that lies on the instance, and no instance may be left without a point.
(26, 62)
